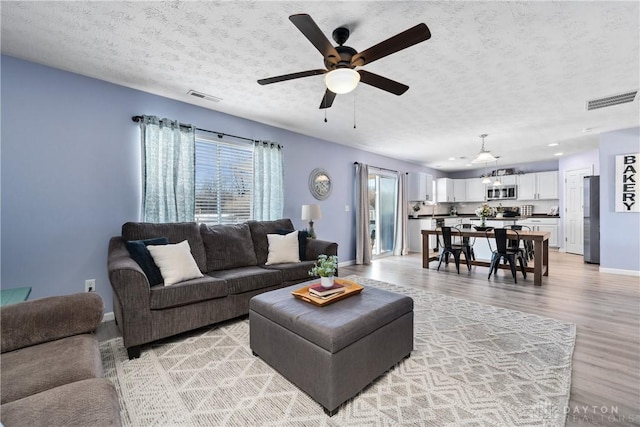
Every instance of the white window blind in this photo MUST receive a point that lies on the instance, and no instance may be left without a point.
(224, 181)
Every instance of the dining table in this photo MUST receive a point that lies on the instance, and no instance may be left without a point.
(540, 240)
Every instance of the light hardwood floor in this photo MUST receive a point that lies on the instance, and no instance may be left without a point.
(605, 308)
(605, 388)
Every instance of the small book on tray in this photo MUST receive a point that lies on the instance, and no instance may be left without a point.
(319, 291)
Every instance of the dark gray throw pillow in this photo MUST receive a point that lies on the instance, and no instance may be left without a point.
(228, 246)
(302, 241)
(141, 255)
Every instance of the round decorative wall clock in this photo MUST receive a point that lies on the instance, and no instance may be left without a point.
(320, 184)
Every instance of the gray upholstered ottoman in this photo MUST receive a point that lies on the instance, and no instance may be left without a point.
(331, 352)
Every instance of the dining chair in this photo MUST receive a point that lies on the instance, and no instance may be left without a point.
(505, 252)
(467, 241)
(527, 245)
(445, 237)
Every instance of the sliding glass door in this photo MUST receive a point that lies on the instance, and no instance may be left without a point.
(382, 212)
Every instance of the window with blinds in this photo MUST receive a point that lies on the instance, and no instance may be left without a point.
(224, 181)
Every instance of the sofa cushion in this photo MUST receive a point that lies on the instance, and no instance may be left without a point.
(91, 402)
(246, 279)
(283, 248)
(293, 272)
(228, 246)
(187, 292)
(30, 370)
(174, 232)
(175, 262)
(140, 254)
(259, 231)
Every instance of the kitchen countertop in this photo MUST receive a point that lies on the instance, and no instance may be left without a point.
(488, 218)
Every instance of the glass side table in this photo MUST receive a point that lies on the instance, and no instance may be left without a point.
(15, 295)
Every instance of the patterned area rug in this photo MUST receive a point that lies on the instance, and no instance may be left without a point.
(473, 364)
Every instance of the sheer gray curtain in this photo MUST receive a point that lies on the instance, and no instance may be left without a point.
(168, 163)
(268, 181)
(401, 245)
(363, 236)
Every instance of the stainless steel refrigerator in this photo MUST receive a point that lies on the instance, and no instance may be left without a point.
(591, 220)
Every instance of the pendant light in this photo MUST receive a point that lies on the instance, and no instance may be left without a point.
(485, 176)
(497, 182)
(484, 156)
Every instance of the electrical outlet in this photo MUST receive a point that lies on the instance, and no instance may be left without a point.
(90, 285)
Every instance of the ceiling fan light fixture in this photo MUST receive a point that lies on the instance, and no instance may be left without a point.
(342, 80)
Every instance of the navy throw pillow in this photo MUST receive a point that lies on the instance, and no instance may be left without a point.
(302, 241)
(141, 255)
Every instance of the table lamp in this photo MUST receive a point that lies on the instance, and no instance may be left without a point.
(311, 212)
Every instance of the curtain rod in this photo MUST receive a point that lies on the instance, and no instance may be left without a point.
(377, 167)
(220, 134)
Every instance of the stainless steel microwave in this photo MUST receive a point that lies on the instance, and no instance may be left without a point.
(502, 192)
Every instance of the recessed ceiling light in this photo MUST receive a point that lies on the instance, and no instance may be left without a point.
(558, 154)
(468, 164)
(587, 130)
(437, 166)
(452, 158)
(553, 144)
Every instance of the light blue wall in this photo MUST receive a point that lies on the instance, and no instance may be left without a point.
(619, 231)
(70, 174)
(586, 160)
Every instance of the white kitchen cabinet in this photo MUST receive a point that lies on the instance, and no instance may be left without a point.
(538, 186)
(476, 191)
(444, 193)
(450, 190)
(543, 224)
(414, 228)
(459, 190)
(420, 187)
(547, 185)
(508, 179)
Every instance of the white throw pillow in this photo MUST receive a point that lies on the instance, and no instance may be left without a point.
(283, 248)
(175, 262)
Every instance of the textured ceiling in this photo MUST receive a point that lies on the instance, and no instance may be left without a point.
(518, 71)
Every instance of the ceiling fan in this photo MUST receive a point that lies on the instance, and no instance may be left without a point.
(340, 61)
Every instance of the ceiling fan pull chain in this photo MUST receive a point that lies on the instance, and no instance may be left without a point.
(354, 110)
(325, 115)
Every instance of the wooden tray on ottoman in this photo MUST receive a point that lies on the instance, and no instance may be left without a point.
(352, 288)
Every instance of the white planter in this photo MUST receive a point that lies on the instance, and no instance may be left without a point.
(326, 282)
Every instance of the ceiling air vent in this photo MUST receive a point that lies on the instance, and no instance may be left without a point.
(204, 96)
(609, 101)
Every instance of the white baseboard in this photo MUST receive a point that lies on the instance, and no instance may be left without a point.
(346, 263)
(108, 317)
(619, 271)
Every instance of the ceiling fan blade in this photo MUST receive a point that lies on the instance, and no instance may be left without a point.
(327, 100)
(405, 39)
(311, 31)
(382, 82)
(291, 76)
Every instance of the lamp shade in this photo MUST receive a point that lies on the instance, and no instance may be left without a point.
(342, 80)
(311, 212)
(484, 157)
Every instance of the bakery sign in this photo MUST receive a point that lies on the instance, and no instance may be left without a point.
(627, 180)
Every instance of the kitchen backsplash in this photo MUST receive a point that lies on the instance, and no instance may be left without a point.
(539, 206)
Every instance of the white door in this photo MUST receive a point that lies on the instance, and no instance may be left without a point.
(573, 204)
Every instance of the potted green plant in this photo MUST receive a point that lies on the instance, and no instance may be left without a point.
(325, 267)
(416, 209)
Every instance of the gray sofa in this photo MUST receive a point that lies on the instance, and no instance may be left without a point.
(232, 259)
(51, 368)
